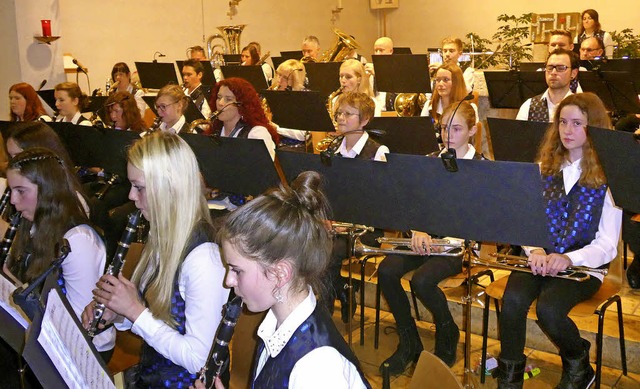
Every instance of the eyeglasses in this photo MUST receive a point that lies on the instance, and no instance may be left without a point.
(588, 49)
(346, 115)
(557, 68)
(442, 79)
(163, 107)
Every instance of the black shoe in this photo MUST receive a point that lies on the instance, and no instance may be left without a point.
(447, 336)
(408, 351)
(577, 373)
(633, 274)
(510, 374)
(343, 296)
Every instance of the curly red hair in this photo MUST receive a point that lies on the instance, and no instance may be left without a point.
(34, 108)
(250, 109)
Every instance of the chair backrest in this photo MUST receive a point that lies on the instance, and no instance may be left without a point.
(431, 372)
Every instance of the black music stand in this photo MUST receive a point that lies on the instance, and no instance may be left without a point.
(630, 65)
(253, 74)
(402, 50)
(300, 110)
(48, 373)
(277, 61)
(155, 75)
(291, 54)
(47, 95)
(402, 73)
(616, 89)
(405, 135)
(232, 59)
(207, 75)
(324, 77)
(233, 164)
(619, 154)
(90, 146)
(510, 89)
(516, 140)
(531, 66)
(97, 105)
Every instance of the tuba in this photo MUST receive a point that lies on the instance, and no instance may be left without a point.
(343, 46)
(230, 40)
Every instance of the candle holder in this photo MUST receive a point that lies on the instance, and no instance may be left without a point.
(46, 39)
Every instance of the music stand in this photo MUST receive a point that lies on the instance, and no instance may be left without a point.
(253, 74)
(291, 54)
(234, 165)
(47, 95)
(207, 75)
(75, 351)
(405, 135)
(616, 89)
(531, 66)
(324, 77)
(402, 50)
(300, 110)
(510, 89)
(516, 140)
(232, 59)
(90, 146)
(97, 106)
(277, 61)
(631, 65)
(155, 75)
(619, 154)
(402, 73)
(14, 321)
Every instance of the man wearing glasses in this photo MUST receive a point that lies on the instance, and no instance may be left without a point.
(561, 67)
(591, 48)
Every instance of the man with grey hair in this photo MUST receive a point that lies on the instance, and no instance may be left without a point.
(311, 47)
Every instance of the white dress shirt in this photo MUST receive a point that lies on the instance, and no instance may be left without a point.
(176, 127)
(77, 119)
(201, 287)
(357, 149)
(323, 367)
(523, 113)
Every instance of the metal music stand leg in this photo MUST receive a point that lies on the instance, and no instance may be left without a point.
(468, 382)
(22, 370)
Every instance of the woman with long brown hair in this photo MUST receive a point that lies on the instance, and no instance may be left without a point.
(25, 104)
(123, 112)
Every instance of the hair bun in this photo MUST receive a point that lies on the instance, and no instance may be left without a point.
(306, 190)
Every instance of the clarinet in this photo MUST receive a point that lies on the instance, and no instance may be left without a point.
(116, 265)
(114, 179)
(218, 358)
(4, 200)
(5, 245)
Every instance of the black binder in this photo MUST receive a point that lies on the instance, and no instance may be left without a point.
(155, 75)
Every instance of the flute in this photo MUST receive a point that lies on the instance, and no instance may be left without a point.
(116, 265)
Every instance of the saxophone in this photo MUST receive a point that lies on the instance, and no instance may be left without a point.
(324, 143)
(116, 265)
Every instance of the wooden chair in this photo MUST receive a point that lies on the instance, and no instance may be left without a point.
(598, 304)
(431, 372)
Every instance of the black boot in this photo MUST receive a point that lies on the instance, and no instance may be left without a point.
(409, 349)
(577, 373)
(447, 336)
(510, 374)
(343, 296)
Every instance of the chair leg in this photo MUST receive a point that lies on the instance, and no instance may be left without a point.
(601, 313)
(415, 302)
(624, 254)
(623, 348)
(485, 335)
(363, 263)
(376, 336)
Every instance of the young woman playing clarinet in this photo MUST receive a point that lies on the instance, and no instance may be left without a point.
(584, 227)
(45, 190)
(279, 267)
(430, 268)
(175, 296)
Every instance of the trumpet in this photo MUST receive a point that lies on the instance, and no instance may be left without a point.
(521, 264)
(336, 228)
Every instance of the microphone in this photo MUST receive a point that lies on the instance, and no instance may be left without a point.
(42, 84)
(449, 156)
(159, 54)
(79, 65)
(325, 156)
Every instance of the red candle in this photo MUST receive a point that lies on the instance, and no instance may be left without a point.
(46, 27)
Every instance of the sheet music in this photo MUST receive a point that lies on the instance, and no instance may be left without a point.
(67, 348)
(6, 301)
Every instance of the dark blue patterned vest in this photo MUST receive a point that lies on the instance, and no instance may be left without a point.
(156, 371)
(538, 110)
(369, 150)
(316, 331)
(573, 219)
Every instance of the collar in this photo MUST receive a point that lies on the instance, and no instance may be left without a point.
(275, 339)
(186, 90)
(356, 149)
(571, 173)
(176, 127)
(469, 155)
(545, 95)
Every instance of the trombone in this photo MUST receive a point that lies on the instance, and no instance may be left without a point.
(516, 263)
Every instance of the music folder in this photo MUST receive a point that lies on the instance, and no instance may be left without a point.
(291, 54)
(14, 320)
(48, 97)
(402, 50)
(207, 75)
(253, 74)
(617, 90)
(277, 61)
(155, 75)
(510, 89)
(96, 104)
(405, 135)
(402, 73)
(300, 110)
(324, 77)
(232, 59)
(516, 140)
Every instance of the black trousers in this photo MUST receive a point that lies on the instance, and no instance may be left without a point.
(430, 270)
(556, 297)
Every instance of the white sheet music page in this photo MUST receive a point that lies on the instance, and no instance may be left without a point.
(67, 348)
(6, 301)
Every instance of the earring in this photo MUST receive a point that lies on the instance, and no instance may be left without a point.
(277, 294)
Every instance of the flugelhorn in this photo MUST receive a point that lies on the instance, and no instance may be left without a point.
(454, 251)
(218, 358)
(521, 264)
(116, 265)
